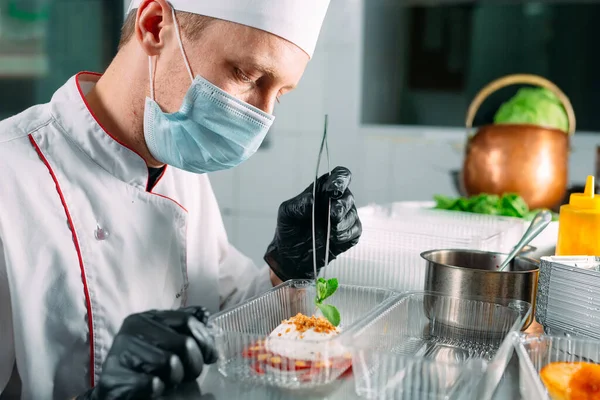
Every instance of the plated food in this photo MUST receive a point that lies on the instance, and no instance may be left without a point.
(300, 346)
(305, 333)
(572, 380)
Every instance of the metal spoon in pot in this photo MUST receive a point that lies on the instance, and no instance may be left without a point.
(538, 224)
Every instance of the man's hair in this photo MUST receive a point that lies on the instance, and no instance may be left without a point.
(191, 25)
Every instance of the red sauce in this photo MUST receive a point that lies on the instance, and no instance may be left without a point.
(261, 358)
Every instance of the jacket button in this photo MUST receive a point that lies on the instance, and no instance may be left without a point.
(100, 233)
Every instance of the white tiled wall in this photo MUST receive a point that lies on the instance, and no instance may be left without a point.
(389, 164)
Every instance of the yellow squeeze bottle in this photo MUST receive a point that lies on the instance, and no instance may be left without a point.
(579, 224)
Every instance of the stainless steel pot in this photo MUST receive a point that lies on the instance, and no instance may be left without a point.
(473, 274)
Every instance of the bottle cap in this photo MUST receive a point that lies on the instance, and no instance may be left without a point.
(587, 199)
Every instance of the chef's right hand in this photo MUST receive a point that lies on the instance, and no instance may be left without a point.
(153, 352)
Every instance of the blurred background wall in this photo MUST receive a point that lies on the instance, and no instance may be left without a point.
(395, 77)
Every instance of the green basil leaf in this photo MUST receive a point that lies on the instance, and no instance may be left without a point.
(321, 289)
(330, 313)
(332, 285)
(462, 204)
(444, 202)
(513, 205)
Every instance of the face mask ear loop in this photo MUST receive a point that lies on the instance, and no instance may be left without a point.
(151, 77)
(185, 60)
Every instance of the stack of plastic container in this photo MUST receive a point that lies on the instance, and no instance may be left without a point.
(568, 300)
(388, 253)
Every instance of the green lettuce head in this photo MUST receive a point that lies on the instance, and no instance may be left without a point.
(537, 106)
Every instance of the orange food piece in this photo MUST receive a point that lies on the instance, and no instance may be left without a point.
(252, 351)
(276, 360)
(323, 364)
(556, 377)
(572, 381)
(585, 383)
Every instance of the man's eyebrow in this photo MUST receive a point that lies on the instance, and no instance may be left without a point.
(264, 69)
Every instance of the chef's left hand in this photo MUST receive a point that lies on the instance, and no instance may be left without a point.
(290, 254)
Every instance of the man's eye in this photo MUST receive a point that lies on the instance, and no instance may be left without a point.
(242, 77)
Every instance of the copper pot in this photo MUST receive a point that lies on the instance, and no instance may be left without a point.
(529, 160)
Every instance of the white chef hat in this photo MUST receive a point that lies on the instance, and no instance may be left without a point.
(298, 21)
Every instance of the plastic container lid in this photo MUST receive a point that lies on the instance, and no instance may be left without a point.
(588, 199)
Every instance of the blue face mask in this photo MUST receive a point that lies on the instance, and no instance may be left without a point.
(212, 130)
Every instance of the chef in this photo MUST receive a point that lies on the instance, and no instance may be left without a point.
(112, 248)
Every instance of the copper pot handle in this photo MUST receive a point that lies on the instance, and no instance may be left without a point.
(519, 79)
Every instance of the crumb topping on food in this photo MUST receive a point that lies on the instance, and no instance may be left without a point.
(304, 323)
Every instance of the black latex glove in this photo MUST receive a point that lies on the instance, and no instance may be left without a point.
(290, 254)
(187, 391)
(154, 352)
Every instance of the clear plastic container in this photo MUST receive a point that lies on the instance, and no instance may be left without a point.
(389, 376)
(388, 253)
(247, 354)
(535, 352)
(568, 299)
(413, 331)
(491, 231)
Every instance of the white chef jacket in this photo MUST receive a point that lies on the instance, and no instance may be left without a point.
(83, 245)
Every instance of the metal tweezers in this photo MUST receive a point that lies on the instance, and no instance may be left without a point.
(324, 145)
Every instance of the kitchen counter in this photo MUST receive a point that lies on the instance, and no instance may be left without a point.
(213, 386)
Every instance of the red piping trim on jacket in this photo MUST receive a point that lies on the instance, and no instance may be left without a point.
(88, 302)
(87, 105)
(168, 198)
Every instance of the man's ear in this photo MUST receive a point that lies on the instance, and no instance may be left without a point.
(153, 25)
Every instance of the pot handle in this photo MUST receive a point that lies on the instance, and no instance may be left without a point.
(515, 80)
